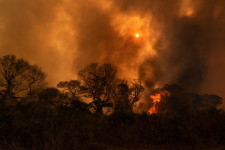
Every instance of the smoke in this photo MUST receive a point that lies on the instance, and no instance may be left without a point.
(187, 37)
(98, 40)
(36, 31)
(63, 36)
(190, 35)
(181, 41)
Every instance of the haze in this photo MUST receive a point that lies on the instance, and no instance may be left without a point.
(180, 41)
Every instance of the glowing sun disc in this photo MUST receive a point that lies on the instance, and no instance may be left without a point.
(137, 35)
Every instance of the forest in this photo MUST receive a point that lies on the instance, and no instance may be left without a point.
(97, 111)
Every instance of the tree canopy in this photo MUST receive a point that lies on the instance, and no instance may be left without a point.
(97, 81)
(17, 75)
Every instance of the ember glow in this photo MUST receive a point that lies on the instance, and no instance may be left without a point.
(157, 98)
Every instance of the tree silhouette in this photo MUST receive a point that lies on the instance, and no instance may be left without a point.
(97, 81)
(72, 87)
(50, 96)
(179, 100)
(17, 75)
(72, 93)
(211, 101)
(126, 96)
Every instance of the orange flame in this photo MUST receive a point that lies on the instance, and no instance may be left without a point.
(156, 99)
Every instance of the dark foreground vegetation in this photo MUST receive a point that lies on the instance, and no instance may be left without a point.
(33, 116)
(33, 126)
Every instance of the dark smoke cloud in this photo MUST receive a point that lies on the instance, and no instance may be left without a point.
(98, 41)
(62, 36)
(187, 45)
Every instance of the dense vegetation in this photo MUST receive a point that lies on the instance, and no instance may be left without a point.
(33, 116)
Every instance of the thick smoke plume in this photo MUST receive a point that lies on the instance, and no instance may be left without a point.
(181, 41)
(188, 46)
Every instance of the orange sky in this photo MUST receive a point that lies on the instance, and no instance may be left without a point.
(181, 41)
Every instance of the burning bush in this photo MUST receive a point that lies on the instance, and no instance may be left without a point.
(173, 99)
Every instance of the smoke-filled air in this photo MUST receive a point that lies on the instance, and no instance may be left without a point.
(157, 42)
(166, 55)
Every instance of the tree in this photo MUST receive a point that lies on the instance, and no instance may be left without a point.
(72, 95)
(97, 82)
(50, 96)
(126, 96)
(35, 77)
(72, 87)
(211, 101)
(178, 100)
(17, 75)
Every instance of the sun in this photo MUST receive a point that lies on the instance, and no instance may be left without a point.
(137, 35)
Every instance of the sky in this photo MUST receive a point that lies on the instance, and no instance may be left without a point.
(180, 41)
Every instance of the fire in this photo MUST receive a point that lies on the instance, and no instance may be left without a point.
(156, 99)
